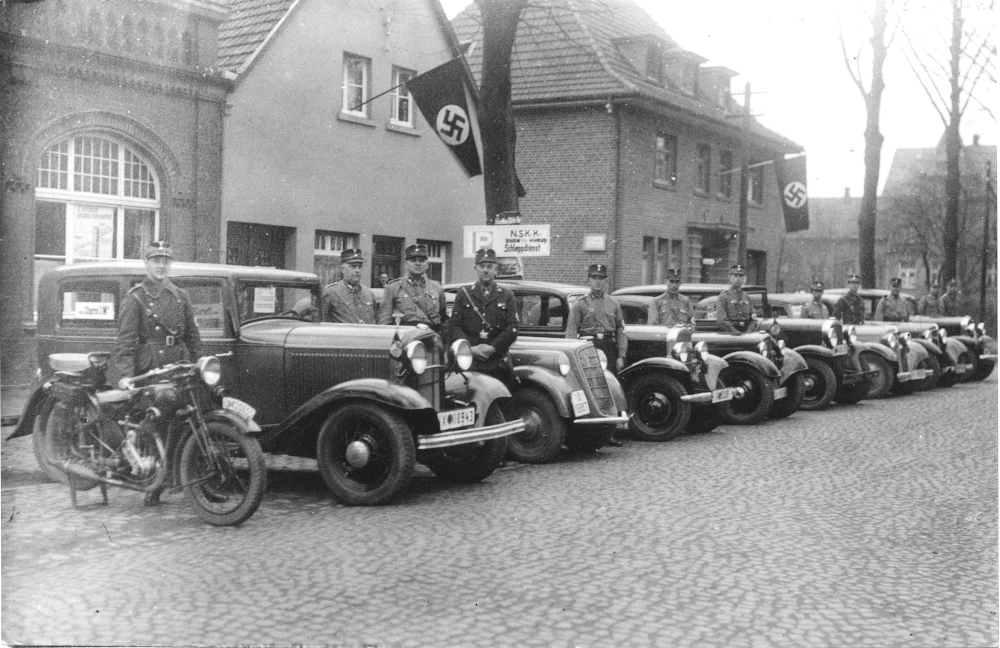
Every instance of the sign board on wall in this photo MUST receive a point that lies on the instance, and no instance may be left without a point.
(508, 240)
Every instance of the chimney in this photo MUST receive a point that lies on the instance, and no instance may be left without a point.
(975, 140)
(847, 193)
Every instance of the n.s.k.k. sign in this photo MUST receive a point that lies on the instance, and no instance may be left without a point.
(508, 240)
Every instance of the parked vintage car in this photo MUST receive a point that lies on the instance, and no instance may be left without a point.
(770, 377)
(671, 384)
(365, 401)
(982, 348)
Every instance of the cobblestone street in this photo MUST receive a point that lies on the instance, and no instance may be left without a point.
(866, 525)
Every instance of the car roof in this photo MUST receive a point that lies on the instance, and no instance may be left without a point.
(182, 269)
(521, 283)
(658, 289)
(869, 292)
(790, 298)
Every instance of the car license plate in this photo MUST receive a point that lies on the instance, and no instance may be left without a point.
(238, 406)
(722, 395)
(840, 350)
(919, 374)
(580, 405)
(962, 368)
(457, 418)
(780, 393)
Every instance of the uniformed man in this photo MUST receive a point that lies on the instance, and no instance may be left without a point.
(413, 298)
(930, 304)
(849, 309)
(485, 315)
(892, 307)
(949, 302)
(672, 308)
(816, 309)
(599, 316)
(347, 300)
(157, 324)
(734, 312)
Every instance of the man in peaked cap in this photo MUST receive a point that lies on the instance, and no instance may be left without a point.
(893, 307)
(930, 304)
(485, 315)
(734, 312)
(816, 309)
(347, 300)
(672, 308)
(413, 298)
(849, 309)
(950, 301)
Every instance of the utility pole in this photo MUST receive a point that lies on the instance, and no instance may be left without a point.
(990, 191)
(741, 250)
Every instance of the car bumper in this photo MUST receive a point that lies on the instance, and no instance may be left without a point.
(602, 420)
(715, 396)
(988, 356)
(469, 435)
(916, 374)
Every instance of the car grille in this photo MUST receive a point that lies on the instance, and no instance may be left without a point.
(600, 393)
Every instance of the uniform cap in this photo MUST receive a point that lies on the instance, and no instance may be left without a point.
(818, 285)
(854, 278)
(416, 250)
(673, 274)
(952, 282)
(352, 254)
(486, 255)
(935, 284)
(159, 249)
(598, 269)
(895, 281)
(737, 269)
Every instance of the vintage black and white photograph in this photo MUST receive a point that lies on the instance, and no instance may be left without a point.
(499, 323)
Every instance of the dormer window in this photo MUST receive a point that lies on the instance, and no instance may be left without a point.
(654, 63)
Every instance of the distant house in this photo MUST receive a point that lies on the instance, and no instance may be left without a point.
(315, 162)
(828, 250)
(626, 145)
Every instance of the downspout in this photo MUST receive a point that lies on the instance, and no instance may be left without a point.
(611, 108)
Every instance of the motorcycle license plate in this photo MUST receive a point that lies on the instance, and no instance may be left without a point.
(780, 393)
(457, 418)
(580, 405)
(722, 395)
(238, 406)
(840, 350)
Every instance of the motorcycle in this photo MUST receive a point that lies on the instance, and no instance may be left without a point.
(169, 428)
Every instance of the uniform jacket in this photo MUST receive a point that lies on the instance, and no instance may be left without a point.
(892, 309)
(815, 310)
(156, 328)
(413, 302)
(592, 315)
(668, 310)
(849, 309)
(484, 318)
(734, 310)
(341, 303)
(950, 305)
(930, 305)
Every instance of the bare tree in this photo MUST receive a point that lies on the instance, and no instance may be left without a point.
(949, 77)
(872, 97)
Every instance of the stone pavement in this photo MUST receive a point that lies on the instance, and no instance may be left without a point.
(868, 525)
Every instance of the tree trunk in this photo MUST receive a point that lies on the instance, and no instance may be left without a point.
(953, 147)
(873, 150)
(500, 19)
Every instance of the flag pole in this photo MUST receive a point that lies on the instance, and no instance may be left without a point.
(371, 99)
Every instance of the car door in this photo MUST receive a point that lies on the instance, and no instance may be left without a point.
(541, 313)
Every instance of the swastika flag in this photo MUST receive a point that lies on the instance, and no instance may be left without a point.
(792, 182)
(449, 106)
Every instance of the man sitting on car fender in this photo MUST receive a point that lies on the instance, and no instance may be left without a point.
(672, 308)
(734, 312)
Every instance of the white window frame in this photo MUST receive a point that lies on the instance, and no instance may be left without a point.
(118, 202)
(703, 169)
(400, 95)
(329, 243)
(908, 274)
(437, 252)
(349, 85)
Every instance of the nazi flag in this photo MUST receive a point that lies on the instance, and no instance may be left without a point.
(792, 183)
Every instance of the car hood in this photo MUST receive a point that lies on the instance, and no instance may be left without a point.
(325, 335)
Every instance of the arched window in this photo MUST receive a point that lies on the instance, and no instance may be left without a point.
(95, 199)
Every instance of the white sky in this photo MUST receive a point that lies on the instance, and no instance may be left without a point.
(790, 53)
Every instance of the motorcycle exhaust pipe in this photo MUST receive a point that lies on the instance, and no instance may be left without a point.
(77, 470)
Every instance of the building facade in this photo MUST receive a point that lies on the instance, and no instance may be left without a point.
(317, 159)
(111, 118)
(630, 147)
(828, 250)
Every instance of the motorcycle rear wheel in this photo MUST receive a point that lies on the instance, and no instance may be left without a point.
(224, 482)
(59, 442)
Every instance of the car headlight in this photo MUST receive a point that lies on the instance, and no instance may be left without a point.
(775, 329)
(852, 334)
(417, 355)
(563, 361)
(967, 324)
(929, 335)
(604, 359)
(702, 350)
(210, 369)
(891, 340)
(832, 334)
(762, 347)
(781, 344)
(981, 327)
(462, 353)
(943, 334)
(904, 337)
(682, 351)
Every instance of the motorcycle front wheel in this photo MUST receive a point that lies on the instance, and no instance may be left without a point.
(223, 473)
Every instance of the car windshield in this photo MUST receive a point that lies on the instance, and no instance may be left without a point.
(266, 299)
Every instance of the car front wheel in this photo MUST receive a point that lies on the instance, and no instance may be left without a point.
(544, 430)
(754, 397)
(882, 381)
(933, 365)
(792, 401)
(820, 384)
(366, 454)
(658, 413)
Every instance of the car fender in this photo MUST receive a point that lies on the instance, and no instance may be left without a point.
(376, 390)
(880, 349)
(477, 388)
(755, 360)
(970, 342)
(671, 366)
(26, 423)
(792, 364)
(989, 343)
(930, 347)
(953, 349)
(915, 354)
(549, 382)
(814, 350)
(713, 367)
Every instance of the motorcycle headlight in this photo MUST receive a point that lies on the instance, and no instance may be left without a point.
(604, 359)
(462, 353)
(702, 350)
(417, 355)
(682, 351)
(210, 369)
(563, 361)
(762, 347)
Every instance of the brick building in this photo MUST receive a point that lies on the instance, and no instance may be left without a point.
(110, 132)
(623, 144)
(309, 167)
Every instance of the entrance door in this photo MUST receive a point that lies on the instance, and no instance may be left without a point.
(387, 257)
(714, 257)
(253, 244)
